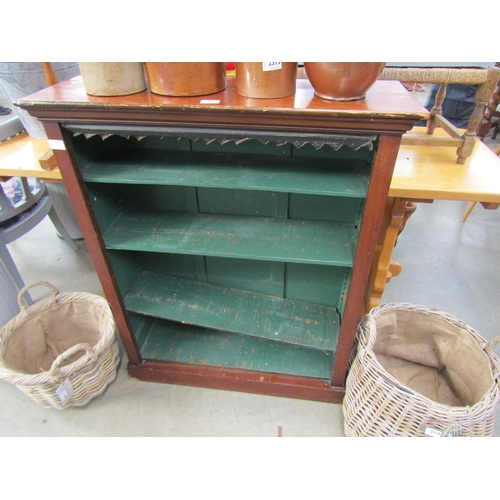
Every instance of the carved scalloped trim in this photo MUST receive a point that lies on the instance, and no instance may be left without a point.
(298, 140)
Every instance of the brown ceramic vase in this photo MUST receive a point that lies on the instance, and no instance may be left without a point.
(186, 78)
(342, 81)
(253, 79)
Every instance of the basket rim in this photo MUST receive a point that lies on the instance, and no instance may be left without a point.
(107, 336)
(491, 395)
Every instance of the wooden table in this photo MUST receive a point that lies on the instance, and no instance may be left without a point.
(425, 174)
(23, 156)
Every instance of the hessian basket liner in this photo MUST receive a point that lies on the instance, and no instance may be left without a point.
(62, 351)
(417, 371)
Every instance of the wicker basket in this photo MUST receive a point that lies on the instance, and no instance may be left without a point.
(62, 351)
(418, 371)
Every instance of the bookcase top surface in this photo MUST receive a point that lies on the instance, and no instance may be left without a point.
(388, 106)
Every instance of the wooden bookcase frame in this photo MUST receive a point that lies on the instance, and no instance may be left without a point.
(385, 115)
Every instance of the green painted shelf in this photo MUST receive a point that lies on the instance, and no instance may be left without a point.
(236, 311)
(258, 238)
(321, 176)
(162, 340)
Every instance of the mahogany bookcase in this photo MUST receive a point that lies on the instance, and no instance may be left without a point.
(233, 237)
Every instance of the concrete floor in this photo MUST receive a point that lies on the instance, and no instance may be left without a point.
(447, 264)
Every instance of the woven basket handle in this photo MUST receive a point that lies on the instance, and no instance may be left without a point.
(494, 342)
(366, 325)
(494, 359)
(54, 369)
(20, 298)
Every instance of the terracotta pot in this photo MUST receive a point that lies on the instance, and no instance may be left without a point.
(113, 79)
(186, 78)
(342, 81)
(261, 80)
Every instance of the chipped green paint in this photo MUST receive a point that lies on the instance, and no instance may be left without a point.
(226, 254)
(259, 238)
(234, 310)
(169, 341)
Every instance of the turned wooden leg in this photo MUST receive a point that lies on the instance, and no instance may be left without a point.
(483, 95)
(437, 109)
(488, 114)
